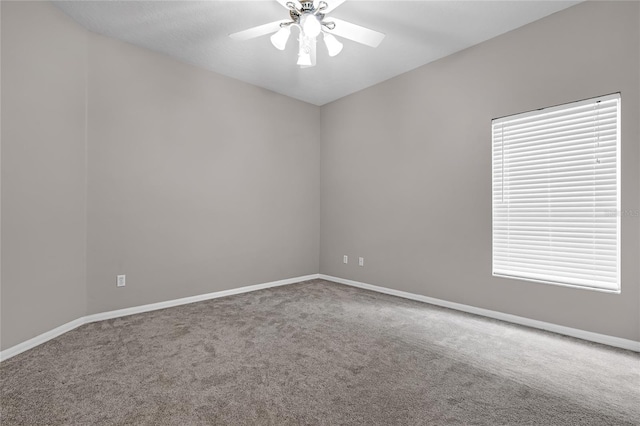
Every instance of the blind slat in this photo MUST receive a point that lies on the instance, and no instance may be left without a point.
(584, 117)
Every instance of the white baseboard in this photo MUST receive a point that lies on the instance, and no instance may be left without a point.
(40, 339)
(51, 334)
(560, 329)
(568, 331)
(199, 298)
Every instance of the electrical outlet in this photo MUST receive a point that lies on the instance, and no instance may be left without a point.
(121, 281)
(361, 261)
(345, 259)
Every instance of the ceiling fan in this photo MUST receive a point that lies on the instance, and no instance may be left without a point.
(310, 19)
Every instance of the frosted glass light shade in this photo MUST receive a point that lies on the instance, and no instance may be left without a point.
(304, 60)
(280, 38)
(333, 45)
(310, 25)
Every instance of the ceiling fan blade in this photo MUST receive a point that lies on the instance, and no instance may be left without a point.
(332, 5)
(356, 32)
(258, 31)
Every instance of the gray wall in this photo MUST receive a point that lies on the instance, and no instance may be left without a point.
(406, 166)
(197, 182)
(43, 171)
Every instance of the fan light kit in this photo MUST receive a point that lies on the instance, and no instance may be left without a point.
(309, 18)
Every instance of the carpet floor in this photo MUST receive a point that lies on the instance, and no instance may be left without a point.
(317, 353)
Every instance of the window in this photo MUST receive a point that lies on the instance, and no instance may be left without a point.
(556, 195)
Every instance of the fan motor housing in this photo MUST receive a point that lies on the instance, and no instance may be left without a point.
(306, 6)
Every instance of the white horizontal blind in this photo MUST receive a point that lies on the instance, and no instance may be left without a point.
(556, 194)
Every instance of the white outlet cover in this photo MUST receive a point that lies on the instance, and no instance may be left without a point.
(345, 259)
(121, 280)
(361, 261)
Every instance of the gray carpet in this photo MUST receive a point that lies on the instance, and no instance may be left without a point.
(317, 353)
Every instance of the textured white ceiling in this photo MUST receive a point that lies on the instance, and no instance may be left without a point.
(417, 32)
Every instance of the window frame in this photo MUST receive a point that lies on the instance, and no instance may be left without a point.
(617, 213)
